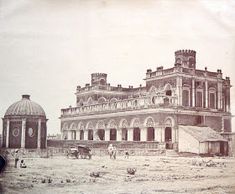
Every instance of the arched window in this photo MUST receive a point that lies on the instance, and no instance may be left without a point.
(90, 101)
(102, 82)
(102, 100)
(212, 98)
(185, 100)
(168, 93)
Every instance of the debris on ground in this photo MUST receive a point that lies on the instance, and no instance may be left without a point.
(95, 174)
(131, 171)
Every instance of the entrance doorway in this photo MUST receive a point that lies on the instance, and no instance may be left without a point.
(168, 138)
(101, 134)
(90, 134)
(136, 134)
(113, 134)
(150, 134)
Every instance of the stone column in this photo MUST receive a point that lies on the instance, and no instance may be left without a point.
(119, 134)
(78, 135)
(179, 89)
(173, 134)
(107, 135)
(130, 134)
(193, 92)
(163, 133)
(23, 133)
(206, 94)
(39, 134)
(222, 127)
(7, 133)
(69, 134)
(219, 95)
(143, 134)
(86, 134)
(157, 134)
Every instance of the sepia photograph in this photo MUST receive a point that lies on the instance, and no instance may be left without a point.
(117, 97)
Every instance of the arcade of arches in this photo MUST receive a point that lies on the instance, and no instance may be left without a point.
(122, 131)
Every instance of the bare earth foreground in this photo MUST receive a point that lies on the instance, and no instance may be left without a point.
(154, 175)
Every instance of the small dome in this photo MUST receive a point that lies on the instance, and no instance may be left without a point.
(25, 107)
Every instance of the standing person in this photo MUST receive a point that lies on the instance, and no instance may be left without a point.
(110, 150)
(114, 152)
(16, 156)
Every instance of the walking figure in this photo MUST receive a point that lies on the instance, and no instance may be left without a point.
(112, 151)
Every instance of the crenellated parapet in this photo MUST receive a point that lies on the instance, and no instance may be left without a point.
(187, 58)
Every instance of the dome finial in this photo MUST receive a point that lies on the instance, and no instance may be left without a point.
(26, 96)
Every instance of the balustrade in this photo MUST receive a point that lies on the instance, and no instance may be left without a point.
(127, 104)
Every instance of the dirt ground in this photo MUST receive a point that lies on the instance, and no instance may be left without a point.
(153, 175)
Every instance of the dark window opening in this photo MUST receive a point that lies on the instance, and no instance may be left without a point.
(124, 134)
(136, 134)
(150, 134)
(113, 134)
(168, 93)
(101, 133)
(90, 134)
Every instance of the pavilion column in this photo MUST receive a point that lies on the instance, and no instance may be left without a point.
(143, 134)
(219, 94)
(130, 134)
(69, 134)
(206, 94)
(119, 134)
(163, 134)
(193, 92)
(157, 134)
(173, 134)
(78, 135)
(179, 89)
(86, 134)
(23, 133)
(7, 133)
(39, 133)
(107, 134)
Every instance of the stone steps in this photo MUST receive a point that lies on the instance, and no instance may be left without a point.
(172, 153)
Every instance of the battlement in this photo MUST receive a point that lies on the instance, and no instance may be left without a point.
(186, 58)
(185, 52)
(98, 79)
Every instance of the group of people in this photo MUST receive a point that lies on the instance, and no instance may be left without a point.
(112, 150)
(17, 158)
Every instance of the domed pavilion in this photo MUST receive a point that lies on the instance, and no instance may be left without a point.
(24, 125)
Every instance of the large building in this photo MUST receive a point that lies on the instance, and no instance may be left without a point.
(157, 112)
(24, 125)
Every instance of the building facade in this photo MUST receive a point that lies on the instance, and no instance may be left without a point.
(24, 125)
(181, 95)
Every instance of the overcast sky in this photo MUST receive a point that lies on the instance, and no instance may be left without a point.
(48, 47)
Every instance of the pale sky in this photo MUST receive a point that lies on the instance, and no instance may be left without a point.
(48, 47)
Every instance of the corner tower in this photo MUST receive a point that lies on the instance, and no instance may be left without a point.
(186, 58)
(98, 79)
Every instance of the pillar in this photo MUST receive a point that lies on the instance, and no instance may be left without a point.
(39, 134)
(119, 134)
(157, 134)
(69, 134)
(23, 133)
(7, 133)
(130, 134)
(78, 135)
(86, 134)
(193, 92)
(173, 134)
(107, 135)
(179, 89)
(163, 133)
(143, 134)
(219, 95)
(206, 94)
